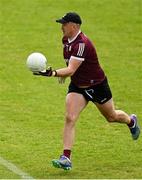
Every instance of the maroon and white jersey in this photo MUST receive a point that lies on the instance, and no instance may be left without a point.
(81, 49)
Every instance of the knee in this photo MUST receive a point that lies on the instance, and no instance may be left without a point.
(70, 118)
(111, 118)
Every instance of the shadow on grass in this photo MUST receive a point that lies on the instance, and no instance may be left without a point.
(62, 174)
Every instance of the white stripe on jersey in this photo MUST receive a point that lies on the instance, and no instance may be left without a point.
(81, 49)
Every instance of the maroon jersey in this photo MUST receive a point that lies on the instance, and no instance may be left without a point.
(81, 48)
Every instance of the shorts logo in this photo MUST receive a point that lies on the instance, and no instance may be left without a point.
(103, 100)
(90, 93)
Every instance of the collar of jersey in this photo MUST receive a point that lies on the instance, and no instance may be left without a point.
(74, 37)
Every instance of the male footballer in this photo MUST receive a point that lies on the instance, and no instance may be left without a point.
(88, 83)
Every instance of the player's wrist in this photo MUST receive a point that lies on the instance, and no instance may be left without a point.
(54, 73)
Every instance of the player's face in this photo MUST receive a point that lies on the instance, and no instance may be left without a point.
(68, 29)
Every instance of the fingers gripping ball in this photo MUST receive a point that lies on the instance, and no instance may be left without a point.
(36, 62)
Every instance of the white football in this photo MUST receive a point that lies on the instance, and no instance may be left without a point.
(36, 62)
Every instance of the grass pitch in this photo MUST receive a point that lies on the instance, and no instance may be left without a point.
(32, 108)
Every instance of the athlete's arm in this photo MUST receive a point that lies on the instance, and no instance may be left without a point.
(74, 62)
(70, 70)
(63, 72)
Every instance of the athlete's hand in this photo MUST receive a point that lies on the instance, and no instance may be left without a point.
(47, 72)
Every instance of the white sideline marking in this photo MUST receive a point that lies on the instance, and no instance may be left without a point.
(14, 169)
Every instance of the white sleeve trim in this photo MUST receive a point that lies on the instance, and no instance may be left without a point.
(77, 58)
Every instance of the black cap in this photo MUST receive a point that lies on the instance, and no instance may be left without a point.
(70, 17)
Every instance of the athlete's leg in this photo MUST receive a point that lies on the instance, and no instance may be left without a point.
(112, 115)
(75, 103)
(108, 111)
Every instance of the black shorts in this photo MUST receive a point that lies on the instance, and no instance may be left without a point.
(99, 93)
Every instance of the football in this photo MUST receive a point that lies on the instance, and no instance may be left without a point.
(36, 62)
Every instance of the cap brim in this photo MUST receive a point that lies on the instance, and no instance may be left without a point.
(62, 21)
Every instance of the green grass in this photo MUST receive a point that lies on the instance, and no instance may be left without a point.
(32, 108)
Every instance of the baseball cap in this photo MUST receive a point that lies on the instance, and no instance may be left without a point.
(70, 17)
